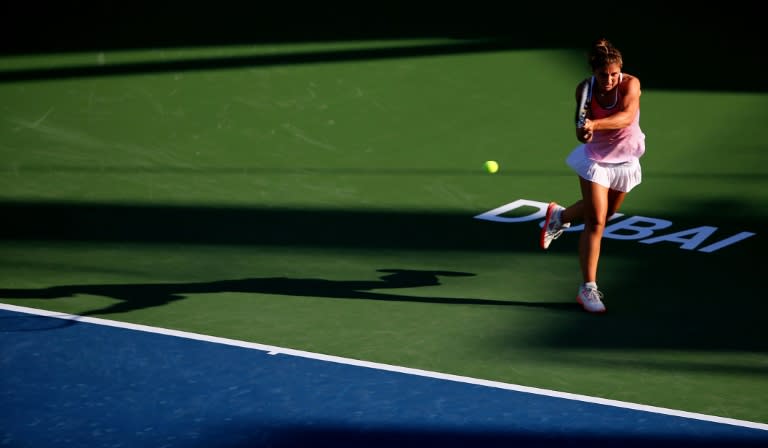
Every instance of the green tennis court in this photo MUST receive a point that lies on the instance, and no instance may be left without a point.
(323, 195)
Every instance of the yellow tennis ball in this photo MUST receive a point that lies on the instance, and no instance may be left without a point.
(491, 166)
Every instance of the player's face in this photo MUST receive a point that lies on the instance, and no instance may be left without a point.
(607, 77)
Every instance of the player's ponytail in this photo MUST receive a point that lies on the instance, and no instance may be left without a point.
(604, 53)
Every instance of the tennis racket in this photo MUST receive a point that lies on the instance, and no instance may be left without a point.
(582, 107)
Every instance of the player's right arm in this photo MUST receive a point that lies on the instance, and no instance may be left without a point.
(626, 109)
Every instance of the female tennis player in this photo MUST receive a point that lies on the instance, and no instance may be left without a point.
(607, 162)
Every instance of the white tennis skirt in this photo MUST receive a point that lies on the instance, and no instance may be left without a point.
(622, 176)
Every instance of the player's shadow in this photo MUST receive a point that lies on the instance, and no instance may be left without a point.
(139, 296)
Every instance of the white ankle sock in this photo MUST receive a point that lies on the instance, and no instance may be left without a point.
(592, 285)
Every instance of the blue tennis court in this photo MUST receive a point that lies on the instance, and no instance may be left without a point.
(76, 381)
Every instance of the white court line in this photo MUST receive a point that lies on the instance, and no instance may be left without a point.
(273, 350)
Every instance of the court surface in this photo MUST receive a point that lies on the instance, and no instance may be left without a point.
(324, 196)
(90, 382)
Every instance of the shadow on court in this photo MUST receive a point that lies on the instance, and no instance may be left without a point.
(221, 63)
(658, 296)
(289, 227)
(302, 436)
(656, 39)
(139, 296)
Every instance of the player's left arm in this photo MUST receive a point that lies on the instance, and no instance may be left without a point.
(628, 107)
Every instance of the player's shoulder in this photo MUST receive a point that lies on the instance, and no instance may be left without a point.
(630, 80)
(630, 83)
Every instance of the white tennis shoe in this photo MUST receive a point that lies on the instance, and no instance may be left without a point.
(553, 227)
(591, 299)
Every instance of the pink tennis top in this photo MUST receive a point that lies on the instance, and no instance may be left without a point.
(614, 145)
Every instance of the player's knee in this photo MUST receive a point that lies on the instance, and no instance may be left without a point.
(594, 223)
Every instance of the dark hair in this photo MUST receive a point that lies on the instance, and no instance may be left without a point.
(604, 53)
